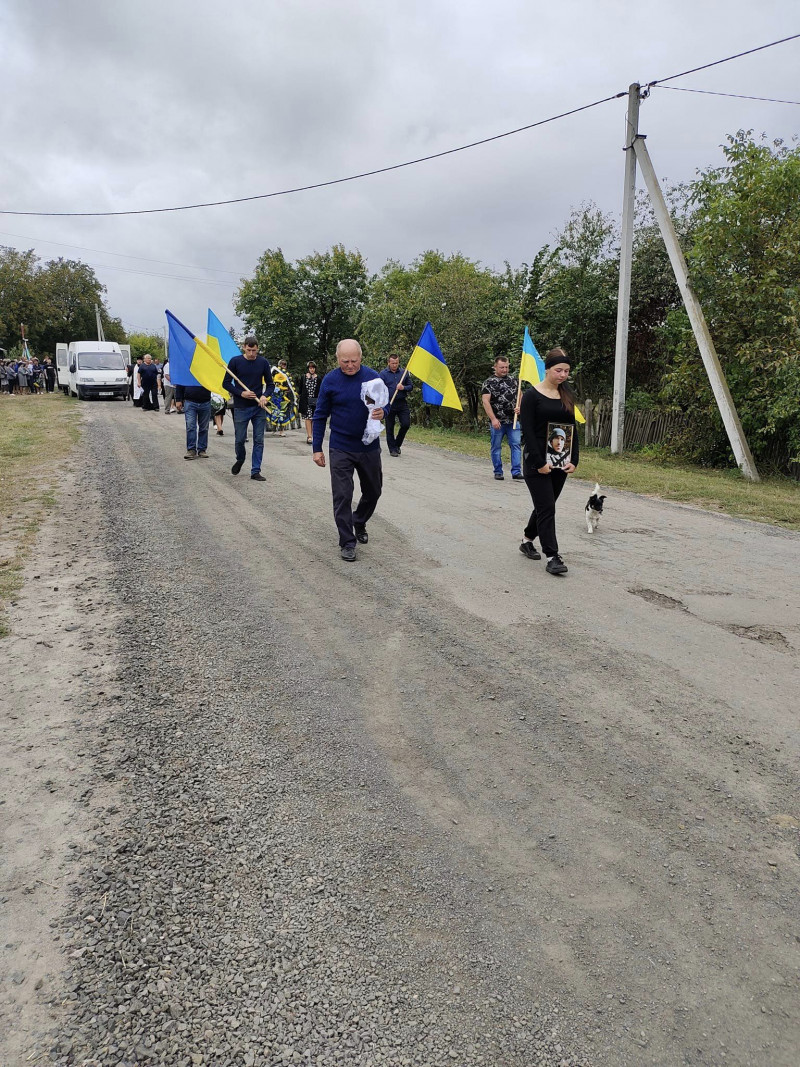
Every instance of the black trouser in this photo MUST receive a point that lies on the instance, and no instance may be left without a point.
(545, 490)
(150, 397)
(402, 413)
(370, 477)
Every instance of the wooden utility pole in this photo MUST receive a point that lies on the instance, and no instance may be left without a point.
(625, 261)
(716, 377)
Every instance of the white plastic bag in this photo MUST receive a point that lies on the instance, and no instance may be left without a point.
(375, 395)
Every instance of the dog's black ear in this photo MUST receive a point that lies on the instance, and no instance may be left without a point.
(601, 499)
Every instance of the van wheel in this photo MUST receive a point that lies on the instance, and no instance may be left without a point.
(79, 393)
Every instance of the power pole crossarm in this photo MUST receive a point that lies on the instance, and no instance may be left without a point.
(716, 377)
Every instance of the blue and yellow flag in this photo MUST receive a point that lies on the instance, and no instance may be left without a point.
(192, 362)
(219, 340)
(531, 368)
(427, 363)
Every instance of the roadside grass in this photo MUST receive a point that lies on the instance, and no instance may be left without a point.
(37, 434)
(775, 499)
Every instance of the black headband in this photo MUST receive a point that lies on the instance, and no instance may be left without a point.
(555, 358)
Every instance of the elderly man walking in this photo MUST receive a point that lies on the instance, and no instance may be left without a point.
(340, 401)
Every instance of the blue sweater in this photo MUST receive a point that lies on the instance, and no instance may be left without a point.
(340, 400)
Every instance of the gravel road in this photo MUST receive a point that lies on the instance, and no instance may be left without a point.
(436, 807)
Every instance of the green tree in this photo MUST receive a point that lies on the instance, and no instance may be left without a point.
(476, 315)
(576, 306)
(300, 311)
(744, 264)
(142, 343)
(19, 294)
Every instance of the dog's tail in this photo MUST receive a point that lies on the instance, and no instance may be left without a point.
(596, 490)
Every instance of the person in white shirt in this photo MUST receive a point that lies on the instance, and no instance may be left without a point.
(169, 389)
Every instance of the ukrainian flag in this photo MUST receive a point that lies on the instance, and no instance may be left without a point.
(192, 362)
(427, 363)
(219, 340)
(531, 368)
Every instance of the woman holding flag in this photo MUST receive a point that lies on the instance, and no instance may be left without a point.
(547, 412)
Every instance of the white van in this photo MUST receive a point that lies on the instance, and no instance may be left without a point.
(93, 369)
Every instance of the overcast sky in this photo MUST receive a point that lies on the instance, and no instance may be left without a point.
(136, 103)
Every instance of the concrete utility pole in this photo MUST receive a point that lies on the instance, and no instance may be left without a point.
(625, 261)
(100, 334)
(722, 394)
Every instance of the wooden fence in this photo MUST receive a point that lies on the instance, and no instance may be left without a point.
(641, 427)
(653, 427)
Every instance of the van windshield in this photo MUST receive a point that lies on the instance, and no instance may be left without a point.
(100, 361)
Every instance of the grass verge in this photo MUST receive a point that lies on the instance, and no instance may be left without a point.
(774, 500)
(38, 432)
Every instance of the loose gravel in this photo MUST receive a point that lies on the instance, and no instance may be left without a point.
(258, 894)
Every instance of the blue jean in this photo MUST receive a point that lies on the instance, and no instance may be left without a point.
(506, 430)
(198, 417)
(242, 417)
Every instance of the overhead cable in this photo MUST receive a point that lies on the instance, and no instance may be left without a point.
(736, 96)
(727, 59)
(317, 185)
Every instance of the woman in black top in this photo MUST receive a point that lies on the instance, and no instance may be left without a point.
(547, 416)
(309, 389)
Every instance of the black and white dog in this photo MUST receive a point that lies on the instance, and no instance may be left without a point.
(594, 509)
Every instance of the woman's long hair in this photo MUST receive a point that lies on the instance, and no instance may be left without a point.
(564, 390)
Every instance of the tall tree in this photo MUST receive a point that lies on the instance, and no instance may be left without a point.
(19, 294)
(744, 262)
(300, 311)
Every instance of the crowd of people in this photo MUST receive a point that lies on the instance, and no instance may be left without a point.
(27, 376)
(539, 425)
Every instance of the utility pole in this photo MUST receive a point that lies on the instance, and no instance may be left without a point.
(100, 334)
(716, 377)
(625, 262)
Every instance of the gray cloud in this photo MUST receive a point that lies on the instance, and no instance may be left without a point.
(137, 104)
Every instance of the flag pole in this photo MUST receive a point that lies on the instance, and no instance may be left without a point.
(519, 394)
(394, 394)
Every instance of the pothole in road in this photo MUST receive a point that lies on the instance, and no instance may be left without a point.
(765, 634)
(654, 597)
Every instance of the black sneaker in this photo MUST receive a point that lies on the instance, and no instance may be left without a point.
(348, 553)
(257, 477)
(237, 466)
(361, 535)
(393, 452)
(499, 478)
(518, 477)
(556, 565)
(527, 548)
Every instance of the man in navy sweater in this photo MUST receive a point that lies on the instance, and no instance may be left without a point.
(397, 381)
(249, 404)
(340, 400)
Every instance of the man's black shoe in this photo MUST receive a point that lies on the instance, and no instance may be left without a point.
(518, 477)
(527, 548)
(361, 535)
(349, 553)
(393, 452)
(556, 565)
(257, 477)
(499, 478)
(237, 466)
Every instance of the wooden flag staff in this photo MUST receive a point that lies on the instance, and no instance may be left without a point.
(519, 394)
(394, 394)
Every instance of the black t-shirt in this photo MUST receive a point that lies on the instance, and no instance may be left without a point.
(149, 375)
(502, 393)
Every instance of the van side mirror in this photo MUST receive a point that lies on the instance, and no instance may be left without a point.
(72, 368)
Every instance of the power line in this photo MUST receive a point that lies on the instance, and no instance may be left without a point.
(736, 96)
(121, 255)
(727, 59)
(317, 185)
(395, 166)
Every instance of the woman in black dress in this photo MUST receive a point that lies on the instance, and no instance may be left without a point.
(309, 390)
(547, 416)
